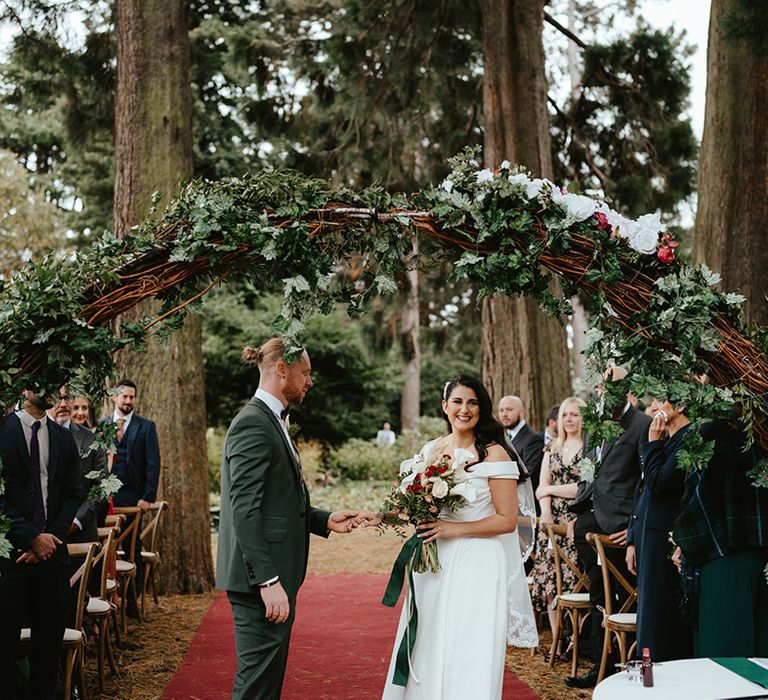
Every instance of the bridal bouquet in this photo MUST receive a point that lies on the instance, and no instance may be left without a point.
(424, 489)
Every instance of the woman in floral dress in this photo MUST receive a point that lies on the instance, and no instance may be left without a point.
(557, 489)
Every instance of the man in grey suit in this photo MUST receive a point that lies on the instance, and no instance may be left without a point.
(604, 506)
(91, 512)
(266, 520)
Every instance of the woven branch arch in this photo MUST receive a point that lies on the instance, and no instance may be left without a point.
(504, 231)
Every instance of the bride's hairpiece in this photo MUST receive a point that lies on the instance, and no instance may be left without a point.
(445, 390)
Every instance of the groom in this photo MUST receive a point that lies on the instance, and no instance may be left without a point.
(265, 522)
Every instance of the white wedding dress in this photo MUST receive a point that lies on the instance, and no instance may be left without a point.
(468, 611)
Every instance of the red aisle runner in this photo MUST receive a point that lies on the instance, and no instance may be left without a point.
(340, 647)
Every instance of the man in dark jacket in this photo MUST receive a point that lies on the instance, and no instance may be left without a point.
(604, 506)
(136, 462)
(41, 475)
(266, 521)
(528, 443)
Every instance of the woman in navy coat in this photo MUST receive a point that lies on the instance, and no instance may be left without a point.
(657, 504)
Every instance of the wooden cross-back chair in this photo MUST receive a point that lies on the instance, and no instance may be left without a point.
(150, 553)
(73, 641)
(573, 604)
(100, 608)
(126, 562)
(623, 622)
(113, 521)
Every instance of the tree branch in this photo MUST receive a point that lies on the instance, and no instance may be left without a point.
(564, 30)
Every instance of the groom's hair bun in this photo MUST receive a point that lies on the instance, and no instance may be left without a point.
(267, 355)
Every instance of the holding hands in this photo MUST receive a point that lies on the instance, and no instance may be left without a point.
(345, 521)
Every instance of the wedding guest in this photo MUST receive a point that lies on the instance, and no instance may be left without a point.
(136, 463)
(266, 520)
(479, 599)
(386, 436)
(82, 411)
(723, 534)
(41, 472)
(604, 505)
(91, 512)
(550, 423)
(656, 505)
(557, 489)
(528, 443)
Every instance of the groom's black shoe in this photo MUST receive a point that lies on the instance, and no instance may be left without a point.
(587, 680)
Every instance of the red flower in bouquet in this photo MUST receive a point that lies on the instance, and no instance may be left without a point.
(423, 490)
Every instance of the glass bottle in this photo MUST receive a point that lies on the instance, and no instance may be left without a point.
(646, 670)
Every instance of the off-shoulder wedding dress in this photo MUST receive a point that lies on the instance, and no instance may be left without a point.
(473, 607)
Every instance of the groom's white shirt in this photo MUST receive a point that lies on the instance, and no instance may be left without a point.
(277, 407)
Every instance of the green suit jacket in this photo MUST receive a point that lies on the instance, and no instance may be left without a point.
(266, 517)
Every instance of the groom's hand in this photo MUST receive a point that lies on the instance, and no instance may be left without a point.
(343, 521)
(276, 603)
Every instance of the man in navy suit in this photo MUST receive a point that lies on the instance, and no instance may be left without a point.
(41, 475)
(137, 459)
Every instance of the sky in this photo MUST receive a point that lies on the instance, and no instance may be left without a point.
(693, 16)
(690, 15)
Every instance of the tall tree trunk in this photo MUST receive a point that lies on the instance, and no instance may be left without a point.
(153, 152)
(733, 169)
(524, 353)
(410, 348)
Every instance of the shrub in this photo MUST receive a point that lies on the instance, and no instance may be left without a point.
(359, 459)
(214, 438)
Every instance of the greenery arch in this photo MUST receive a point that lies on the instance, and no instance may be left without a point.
(504, 231)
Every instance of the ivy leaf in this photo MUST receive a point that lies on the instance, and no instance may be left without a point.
(711, 278)
(385, 284)
(295, 284)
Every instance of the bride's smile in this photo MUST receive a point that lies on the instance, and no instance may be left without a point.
(462, 409)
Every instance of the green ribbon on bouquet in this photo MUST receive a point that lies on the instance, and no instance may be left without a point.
(404, 566)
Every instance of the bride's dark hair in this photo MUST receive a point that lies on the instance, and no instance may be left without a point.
(488, 429)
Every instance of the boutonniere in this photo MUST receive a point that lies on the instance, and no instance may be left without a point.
(293, 428)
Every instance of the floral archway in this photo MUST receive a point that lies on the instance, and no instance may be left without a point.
(504, 231)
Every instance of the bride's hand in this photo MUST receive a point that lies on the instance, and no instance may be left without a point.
(436, 529)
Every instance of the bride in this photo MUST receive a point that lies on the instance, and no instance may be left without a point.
(479, 601)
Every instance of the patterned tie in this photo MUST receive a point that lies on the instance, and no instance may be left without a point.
(120, 424)
(38, 516)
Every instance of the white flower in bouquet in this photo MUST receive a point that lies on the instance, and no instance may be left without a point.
(465, 490)
(447, 185)
(439, 488)
(644, 233)
(417, 464)
(504, 165)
